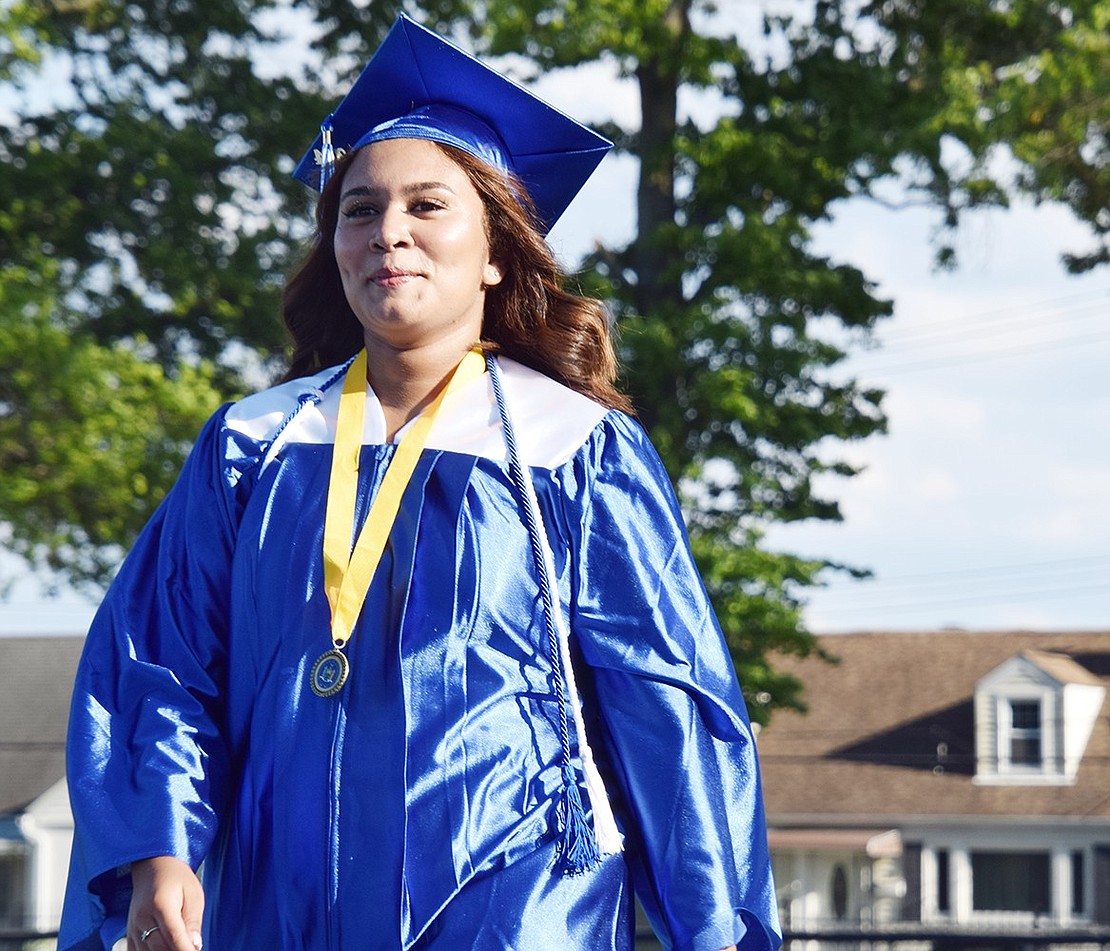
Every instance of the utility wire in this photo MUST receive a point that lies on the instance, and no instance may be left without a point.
(959, 334)
(959, 327)
(976, 335)
(944, 603)
(995, 354)
(1033, 581)
(993, 575)
(965, 572)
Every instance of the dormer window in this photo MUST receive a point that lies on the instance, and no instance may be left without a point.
(1019, 742)
(1034, 714)
(1024, 739)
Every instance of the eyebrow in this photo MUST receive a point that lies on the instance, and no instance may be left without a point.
(414, 188)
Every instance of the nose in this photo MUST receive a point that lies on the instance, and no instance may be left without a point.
(392, 230)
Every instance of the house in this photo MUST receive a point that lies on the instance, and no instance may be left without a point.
(946, 781)
(36, 826)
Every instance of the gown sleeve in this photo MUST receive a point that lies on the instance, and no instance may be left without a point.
(146, 761)
(674, 723)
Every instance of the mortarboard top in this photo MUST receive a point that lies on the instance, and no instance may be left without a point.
(417, 85)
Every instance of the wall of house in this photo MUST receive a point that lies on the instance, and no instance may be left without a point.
(823, 888)
(47, 828)
(1081, 706)
(13, 875)
(952, 858)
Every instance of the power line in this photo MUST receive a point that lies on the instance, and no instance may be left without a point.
(943, 603)
(1031, 581)
(928, 339)
(995, 569)
(992, 575)
(976, 334)
(993, 354)
(960, 334)
(1023, 587)
(959, 326)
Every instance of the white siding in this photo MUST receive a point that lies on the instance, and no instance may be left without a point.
(47, 825)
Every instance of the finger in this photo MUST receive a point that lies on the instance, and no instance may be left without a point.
(180, 917)
(145, 938)
(175, 935)
(141, 935)
(167, 904)
(192, 911)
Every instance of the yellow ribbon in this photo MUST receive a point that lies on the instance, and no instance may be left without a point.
(347, 573)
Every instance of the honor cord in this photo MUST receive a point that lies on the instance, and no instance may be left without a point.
(607, 835)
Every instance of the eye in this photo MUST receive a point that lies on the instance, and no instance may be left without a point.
(425, 206)
(358, 209)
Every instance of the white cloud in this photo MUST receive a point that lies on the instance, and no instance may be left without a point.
(1058, 527)
(936, 485)
(916, 412)
(1086, 483)
(1073, 512)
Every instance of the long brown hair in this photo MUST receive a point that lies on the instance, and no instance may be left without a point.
(530, 316)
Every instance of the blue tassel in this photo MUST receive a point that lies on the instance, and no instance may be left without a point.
(578, 850)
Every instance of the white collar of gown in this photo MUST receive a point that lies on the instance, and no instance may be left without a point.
(550, 420)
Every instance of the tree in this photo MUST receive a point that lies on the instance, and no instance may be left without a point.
(1022, 79)
(139, 248)
(90, 435)
(161, 199)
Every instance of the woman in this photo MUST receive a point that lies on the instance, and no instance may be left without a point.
(448, 484)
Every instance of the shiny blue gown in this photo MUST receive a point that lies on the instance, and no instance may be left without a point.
(417, 808)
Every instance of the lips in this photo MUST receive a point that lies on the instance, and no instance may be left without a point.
(392, 277)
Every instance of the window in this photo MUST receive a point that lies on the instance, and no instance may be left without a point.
(1010, 881)
(1025, 733)
(12, 869)
(840, 892)
(944, 901)
(1078, 884)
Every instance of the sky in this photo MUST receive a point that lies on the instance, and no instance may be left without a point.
(987, 505)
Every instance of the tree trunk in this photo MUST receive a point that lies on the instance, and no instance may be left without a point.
(658, 290)
(658, 78)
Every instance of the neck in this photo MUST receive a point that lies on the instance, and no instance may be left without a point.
(406, 380)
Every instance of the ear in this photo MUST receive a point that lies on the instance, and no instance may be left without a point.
(491, 274)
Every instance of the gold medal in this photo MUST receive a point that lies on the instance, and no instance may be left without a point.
(329, 673)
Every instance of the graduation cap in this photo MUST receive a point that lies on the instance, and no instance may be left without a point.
(417, 85)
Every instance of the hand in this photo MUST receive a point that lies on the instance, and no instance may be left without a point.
(166, 896)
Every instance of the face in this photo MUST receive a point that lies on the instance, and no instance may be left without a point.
(411, 246)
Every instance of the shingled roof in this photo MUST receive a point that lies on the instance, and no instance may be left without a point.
(36, 681)
(890, 731)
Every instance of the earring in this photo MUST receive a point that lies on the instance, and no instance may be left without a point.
(492, 276)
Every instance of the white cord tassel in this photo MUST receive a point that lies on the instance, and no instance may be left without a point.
(609, 838)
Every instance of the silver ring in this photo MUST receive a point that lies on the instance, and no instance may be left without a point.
(146, 934)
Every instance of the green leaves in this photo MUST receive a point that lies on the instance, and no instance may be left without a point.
(91, 436)
(1025, 80)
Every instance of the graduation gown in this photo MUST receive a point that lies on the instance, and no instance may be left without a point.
(418, 807)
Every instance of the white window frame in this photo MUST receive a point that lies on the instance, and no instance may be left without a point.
(959, 847)
(1009, 734)
(1051, 768)
(1043, 914)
